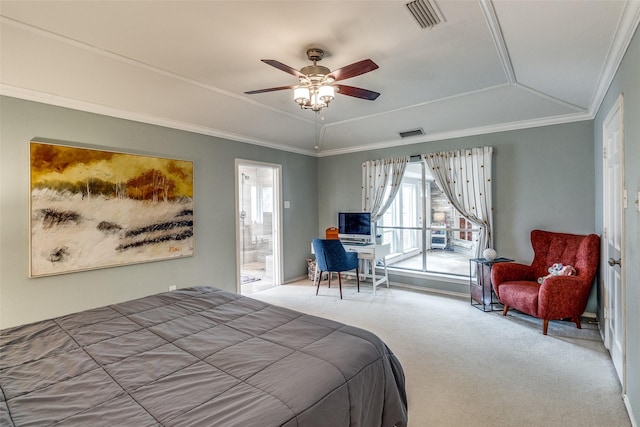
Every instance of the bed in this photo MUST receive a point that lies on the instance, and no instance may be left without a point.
(198, 356)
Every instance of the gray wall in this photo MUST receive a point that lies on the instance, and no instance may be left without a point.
(542, 178)
(25, 300)
(627, 82)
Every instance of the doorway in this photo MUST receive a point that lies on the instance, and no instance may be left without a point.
(258, 220)
(613, 237)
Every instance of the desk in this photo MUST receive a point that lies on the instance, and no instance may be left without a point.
(370, 254)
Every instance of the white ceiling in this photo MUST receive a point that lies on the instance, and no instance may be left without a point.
(490, 66)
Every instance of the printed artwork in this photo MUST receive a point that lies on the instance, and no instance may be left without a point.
(94, 209)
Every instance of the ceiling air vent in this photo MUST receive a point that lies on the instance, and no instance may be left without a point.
(425, 12)
(412, 132)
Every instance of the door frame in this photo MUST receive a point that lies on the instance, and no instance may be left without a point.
(277, 219)
(617, 109)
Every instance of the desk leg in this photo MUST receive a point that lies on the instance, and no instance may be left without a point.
(386, 275)
(382, 279)
(365, 265)
(373, 276)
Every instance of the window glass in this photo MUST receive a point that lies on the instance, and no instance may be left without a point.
(425, 231)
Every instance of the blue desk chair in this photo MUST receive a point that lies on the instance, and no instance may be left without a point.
(332, 257)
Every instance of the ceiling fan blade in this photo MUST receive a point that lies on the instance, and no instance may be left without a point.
(354, 69)
(357, 92)
(280, 66)
(271, 89)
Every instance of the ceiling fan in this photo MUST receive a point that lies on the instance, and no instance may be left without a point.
(317, 87)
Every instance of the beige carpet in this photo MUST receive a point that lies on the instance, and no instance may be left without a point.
(465, 367)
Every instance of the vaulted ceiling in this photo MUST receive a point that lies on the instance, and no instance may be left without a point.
(487, 66)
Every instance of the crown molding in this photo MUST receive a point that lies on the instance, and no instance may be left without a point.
(629, 20)
(73, 104)
(44, 98)
(505, 127)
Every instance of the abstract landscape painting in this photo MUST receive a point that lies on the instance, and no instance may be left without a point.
(94, 209)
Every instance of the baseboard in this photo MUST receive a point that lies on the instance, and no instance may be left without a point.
(586, 314)
(627, 405)
(296, 279)
(433, 291)
(430, 290)
(404, 286)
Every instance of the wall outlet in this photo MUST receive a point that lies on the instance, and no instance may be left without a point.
(173, 287)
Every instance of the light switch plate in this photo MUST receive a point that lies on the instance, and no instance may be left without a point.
(287, 204)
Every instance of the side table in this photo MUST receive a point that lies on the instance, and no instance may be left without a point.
(481, 290)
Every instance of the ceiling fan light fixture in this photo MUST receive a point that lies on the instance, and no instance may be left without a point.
(301, 95)
(326, 93)
(311, 96)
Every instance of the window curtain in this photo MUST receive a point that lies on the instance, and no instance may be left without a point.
(380, 184)
(465, 177)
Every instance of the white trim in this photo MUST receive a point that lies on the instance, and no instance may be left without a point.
(504, 127)
(430, 290)
(553, 99)
(627, 405)
(139, 64)
(447, 278)
(617, 109)
(59, 101)
(278, 244)
(629, 20)
(296, 279)
(498, 39)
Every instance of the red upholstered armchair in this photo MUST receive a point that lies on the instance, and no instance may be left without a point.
(558, 297)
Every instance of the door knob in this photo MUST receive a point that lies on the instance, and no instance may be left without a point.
(612, 262)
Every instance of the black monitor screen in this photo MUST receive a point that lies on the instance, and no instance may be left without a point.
(354, 223)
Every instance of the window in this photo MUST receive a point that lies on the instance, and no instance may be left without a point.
(426, 232)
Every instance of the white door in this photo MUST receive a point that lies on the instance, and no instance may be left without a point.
(613, 236)
(258, 219)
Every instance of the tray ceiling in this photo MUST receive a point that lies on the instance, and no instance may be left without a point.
(488, 66)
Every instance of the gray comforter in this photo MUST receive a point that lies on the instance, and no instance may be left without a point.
(197, 357)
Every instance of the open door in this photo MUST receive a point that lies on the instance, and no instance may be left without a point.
(613, 238)
(258, 234)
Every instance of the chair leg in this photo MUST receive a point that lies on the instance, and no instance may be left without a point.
(506, 308)
(545, 326)
(340, 283)
(577, 321)
(318, 285)
(329, 275)
(358, 278)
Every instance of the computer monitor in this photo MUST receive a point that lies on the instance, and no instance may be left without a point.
(354, 226)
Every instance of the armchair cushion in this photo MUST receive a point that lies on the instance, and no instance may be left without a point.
(523, 295)
(557, 297)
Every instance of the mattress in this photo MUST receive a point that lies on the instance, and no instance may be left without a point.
(197, 357)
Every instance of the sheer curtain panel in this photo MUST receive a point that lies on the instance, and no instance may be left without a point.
(380, 184)
(465, 177)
